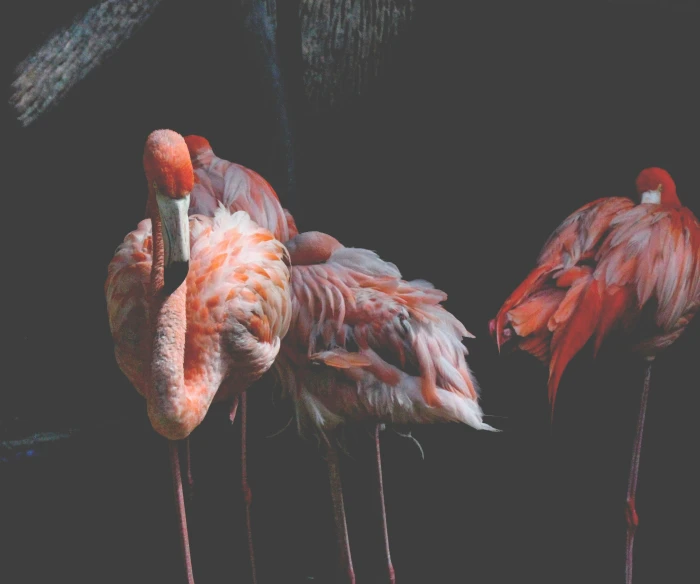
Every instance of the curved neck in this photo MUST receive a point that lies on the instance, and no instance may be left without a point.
(172, 411)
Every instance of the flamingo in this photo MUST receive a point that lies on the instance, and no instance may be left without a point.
(220, 182)
(611, 265)
(364, 345)
(197, 307)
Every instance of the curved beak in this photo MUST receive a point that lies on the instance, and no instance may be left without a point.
(176, 239)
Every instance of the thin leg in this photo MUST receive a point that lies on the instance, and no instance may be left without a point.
(247, 495)
(390, 576)
(180, 504)
(347, 573)
(631, 512)
(189, 479)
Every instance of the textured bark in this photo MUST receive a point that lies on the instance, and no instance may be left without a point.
(345, 44)
(48, 74)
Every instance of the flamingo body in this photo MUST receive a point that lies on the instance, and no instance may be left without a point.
(236, 307)
(365, 344)
(612, 265)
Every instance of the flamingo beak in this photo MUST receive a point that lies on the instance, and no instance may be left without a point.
(653, 197)
(176, 239)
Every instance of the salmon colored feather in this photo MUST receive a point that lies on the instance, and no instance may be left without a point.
(197, 305)
(599, 269)
(354, 313)
(613, 265)
(363, 344)
(237, 188)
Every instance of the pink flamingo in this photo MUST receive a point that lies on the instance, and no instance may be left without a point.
(197, 306)
(363, 344)
(611, 265)
(220, 182)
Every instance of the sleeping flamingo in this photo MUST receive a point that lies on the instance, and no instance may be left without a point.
(196, 307)
(363, 344)
(611, 265)
(218, 181)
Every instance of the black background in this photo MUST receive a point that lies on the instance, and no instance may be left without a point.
(495, 121)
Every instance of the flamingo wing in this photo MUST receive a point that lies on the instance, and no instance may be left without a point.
(650, 254)
(238, 301)
(565, 256)
(653, 254)
(238, 298)
(554, 311)
(390, 341)
(126, 291)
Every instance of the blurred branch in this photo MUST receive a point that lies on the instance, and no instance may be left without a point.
(261, 23)
(42, 443)
(48, 74)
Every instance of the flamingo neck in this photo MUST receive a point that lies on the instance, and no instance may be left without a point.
(172, 411)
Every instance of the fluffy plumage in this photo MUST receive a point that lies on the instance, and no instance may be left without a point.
(607, 267)
(237, 307)
(366, 344)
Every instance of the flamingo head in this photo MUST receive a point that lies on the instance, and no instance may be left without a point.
(200, 149)
(197, 144)
(166, 161)
(655, 185)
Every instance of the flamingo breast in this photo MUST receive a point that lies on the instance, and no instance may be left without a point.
(238, 302)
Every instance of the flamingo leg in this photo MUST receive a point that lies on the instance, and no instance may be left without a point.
(631, 512)
(245, 487)
(189, 479)
(390, 575)
(173, 447)
(347, 572)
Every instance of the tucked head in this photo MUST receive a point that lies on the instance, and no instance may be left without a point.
(197, 144)
(655, 185)
(166, 161)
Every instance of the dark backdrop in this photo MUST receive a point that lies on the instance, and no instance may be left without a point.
(495, 121)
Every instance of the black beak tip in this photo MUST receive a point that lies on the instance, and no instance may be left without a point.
(174, 276)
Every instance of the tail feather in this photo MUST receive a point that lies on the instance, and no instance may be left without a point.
(572, 334)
